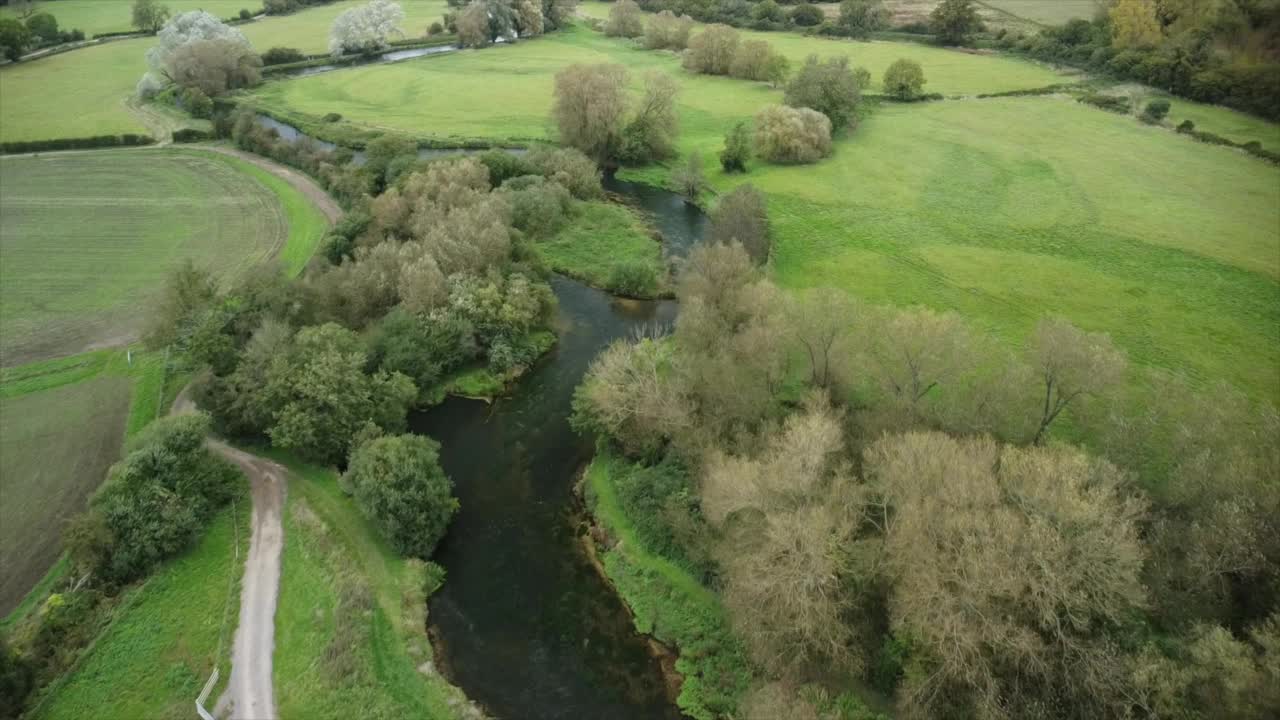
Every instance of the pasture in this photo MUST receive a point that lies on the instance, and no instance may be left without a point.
(110, 16)
(87, 237)
(453, 96)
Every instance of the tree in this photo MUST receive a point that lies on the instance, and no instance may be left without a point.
(712, 51)
(1134, 24)
(860, 18)
(690, 180)
(398, 484)
(830, 87)
(754, 60)
(625, 20)
(807, 15)
(473, 25)
(188, 291)
(953, 21)
(44, 27)
(904, 79)
(319, 397)
(14, 38)
(1072, 364)
(1156, 111)
(783, 572)
(633, 393)
(149, 16)
(365, 29)
(737, 148)
(214, 66)
(651, 132)
(15, 680)
(528, 18)
(187, 28)
(590, 106)
(1011, 569)
(666, 31)
(792, 135)
(821, 320)
(741, 216)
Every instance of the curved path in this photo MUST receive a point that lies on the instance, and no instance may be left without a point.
(250, 694)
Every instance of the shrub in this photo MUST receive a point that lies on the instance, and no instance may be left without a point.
(830, 87)
(1110, 103)
(503, 166)
(435, 29)
(712, 51)
(807, 15)
(197, 103)
(860, 18)
(904, 79)
(666, 31)
(398, 484)
(625, 20)
(792, 135)
(190, 135)
(43, 27)
(633, 279)
(1156, 111)
(1186, 126)
(538, 206)
(570, 168)
(282, 55)
(331, 117)
(754, 60)
(690, 180)
(14, 38)
(246, 14)
(741, 216)
(97, 141)
(737, 149)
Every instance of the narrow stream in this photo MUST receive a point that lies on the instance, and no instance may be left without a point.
(524, 624)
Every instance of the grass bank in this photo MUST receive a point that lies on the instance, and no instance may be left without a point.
(667, 601)
(351, 636)
(600, 242)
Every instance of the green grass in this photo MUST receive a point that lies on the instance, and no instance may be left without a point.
(1008, 209)
(1045, 12)
(1231, 124)
(104, 16)
(406, 97)
(168, 635)
(598, 237)
(669, 603)
(88, 237)
(308, 30)
(360, 659)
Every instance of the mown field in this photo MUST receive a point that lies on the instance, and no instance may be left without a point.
(87, 237)
(168, 636)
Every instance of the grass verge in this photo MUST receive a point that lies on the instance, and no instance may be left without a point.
(667, 602)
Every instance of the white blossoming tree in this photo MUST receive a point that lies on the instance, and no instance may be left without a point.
(366, 28)
(180, 31)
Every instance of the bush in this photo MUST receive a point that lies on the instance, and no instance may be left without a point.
(1186, 126)
(712, 52)
(830, 87)
(191, 135)
(435, 29)
(1110, 103)
(792, 135)
(570, 168)
(633, 279)
(1156, 111)
(666, 31)
(807, 15)
(246, 14)
(625, 20)
(755, 60)
(282, 55)
(904, 79)
(197, 103)
(737, 149)
(154, 502)
(398, 484)
(504, 165)
(741, 216)
(538, 206)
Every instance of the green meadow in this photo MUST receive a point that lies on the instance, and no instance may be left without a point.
(109, 16)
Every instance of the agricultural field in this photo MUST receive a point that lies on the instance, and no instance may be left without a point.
(1045, 12)
(55, 448)
(88, 236)
(167, 637)
(452, 95)
(111, 16)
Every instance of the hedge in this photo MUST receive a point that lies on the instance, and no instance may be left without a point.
(97, 141)
(122, 33)
(1253, 147)
(1110, 103)
(190, 135)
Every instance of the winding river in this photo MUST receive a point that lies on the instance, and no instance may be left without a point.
(524, 623)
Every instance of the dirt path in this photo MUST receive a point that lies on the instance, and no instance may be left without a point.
(250, 694)
(299, 181)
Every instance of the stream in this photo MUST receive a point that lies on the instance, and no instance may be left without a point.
(524, 623)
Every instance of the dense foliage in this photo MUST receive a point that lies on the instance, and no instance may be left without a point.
(399, 486)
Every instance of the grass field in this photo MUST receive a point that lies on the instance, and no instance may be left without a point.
(1045, 12)
(989, 208)
(453, 96)
(1231, 124)
(61, 426)
(351, 621)
(168, 635)
(88, 236)
(599, 237)
(104, 16)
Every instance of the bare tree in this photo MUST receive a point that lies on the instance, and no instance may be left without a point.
(651, 132)
(625, 20)
(822, 320)
(1072, 364)
(634, 394)
(712, 51)
(741, 216)
(667, 32)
